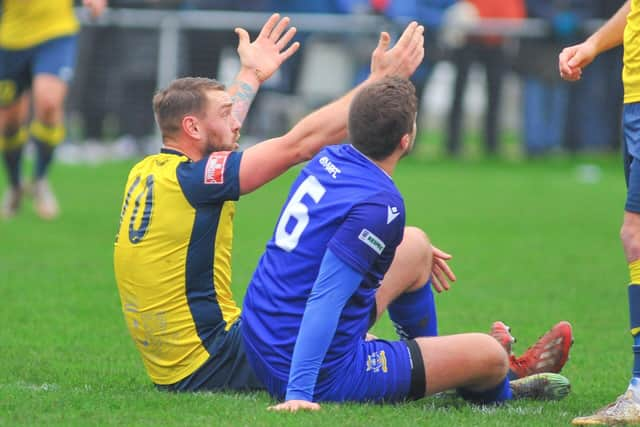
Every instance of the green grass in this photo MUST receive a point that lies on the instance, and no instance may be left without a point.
(532, 244)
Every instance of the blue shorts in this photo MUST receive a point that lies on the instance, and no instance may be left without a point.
(631, 153)
(226, 369)
(377, 371)
(18, 67)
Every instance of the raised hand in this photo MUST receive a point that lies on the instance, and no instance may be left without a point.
(295, 406)
(269, 50)
(403, 58)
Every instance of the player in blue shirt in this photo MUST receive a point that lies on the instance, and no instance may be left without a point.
(339, 256)
(172, 257)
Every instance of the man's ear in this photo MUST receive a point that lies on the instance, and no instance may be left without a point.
(405, 142)
(191, 126)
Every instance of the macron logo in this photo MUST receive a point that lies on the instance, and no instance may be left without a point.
(392, 213)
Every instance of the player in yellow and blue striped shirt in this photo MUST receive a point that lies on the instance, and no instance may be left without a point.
(37, 53)
(623, 28)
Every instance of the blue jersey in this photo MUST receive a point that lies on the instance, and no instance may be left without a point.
(341, 201)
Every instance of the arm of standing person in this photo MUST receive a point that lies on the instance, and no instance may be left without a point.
(96, 7)
(327, 126)
(574, 58)
(335, 284)
(259, 60)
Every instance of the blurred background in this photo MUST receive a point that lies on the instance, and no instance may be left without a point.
(489, 85)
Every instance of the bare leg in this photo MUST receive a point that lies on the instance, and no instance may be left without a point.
(472, 361)
(410, 269)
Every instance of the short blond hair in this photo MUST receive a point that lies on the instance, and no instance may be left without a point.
(183, 96)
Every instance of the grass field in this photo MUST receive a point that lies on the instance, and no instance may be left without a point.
(533, 243)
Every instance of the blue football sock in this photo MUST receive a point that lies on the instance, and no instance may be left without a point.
(498, 394)
(43, 159)
(13, 145)
(13, 160)
(47, 138)
(414, 313)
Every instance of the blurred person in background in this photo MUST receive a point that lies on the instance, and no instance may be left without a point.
(486, 50)
(545, 98)
(38, 41)
(595, 110)
(623, 28)
(429, 13)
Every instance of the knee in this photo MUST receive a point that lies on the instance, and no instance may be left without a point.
(416, 251)
(49, 109)
(418, 243)
(630, 236)
(492, 355)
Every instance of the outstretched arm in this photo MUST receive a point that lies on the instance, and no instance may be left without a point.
(327, 126)
(259, 60)
(574, 58)
(335, 284)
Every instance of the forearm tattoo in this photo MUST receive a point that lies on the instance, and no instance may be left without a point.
(242, 100)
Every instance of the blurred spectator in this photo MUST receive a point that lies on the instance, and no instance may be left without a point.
(486, 50)
(38, 44)
(595, 107)
(545, 96)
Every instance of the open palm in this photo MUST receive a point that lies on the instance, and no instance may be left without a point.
(270, 49)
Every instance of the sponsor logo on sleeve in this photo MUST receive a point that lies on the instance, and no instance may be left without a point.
(214, 170)
(392, 213)
(331, 169)
(371, 240)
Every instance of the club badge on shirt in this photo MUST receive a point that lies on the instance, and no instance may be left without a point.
(214, 170)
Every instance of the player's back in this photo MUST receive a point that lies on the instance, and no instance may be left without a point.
(337, 184)
(25, 23)
(172, 260)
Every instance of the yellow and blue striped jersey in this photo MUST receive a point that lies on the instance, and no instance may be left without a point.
(631, 69)
(26, 23)
(172, 259)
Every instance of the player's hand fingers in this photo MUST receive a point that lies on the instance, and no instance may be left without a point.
(279, 28)
(284, 40)
(243, 36)
(444, 267)
(294, 406)
(439, 281)
(439, 253)
(268, 26)
(290, 51)
(383, 42)
(417, 40)
(407, 35)
(415, 51)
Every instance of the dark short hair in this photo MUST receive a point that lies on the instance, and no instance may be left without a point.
(380, 115)
(183, 96)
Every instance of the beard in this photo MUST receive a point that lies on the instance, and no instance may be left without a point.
(212, 145)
